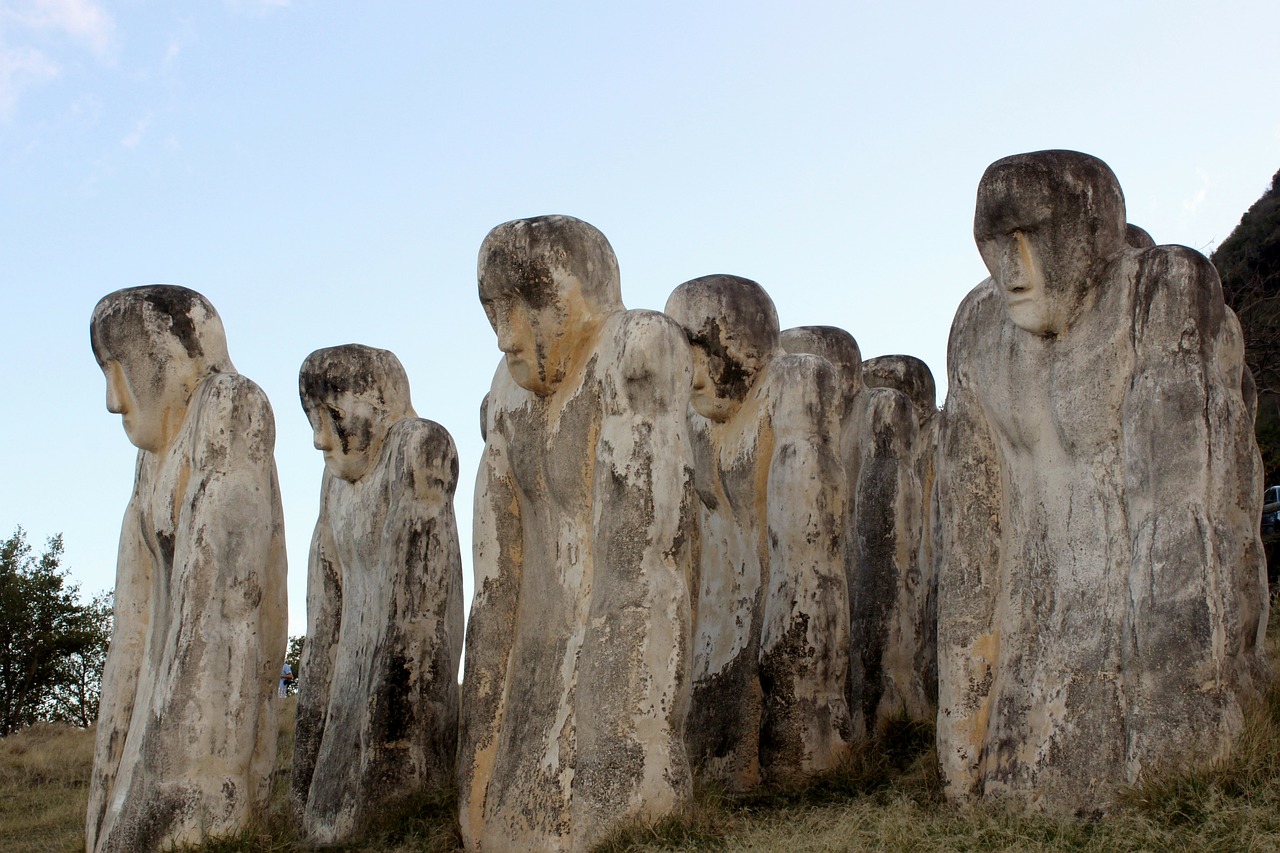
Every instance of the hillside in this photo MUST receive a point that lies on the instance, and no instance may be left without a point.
(1248, 262)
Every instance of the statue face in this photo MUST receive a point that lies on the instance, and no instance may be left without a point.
(151, 399)
(1047, 223)
(714, 400)
(1033, 302)
(732, 330)
(345, 431)
(539, 337)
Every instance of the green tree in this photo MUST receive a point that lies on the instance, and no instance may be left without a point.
(41, 624)
(1248, 263)
(293, 657)
(76, 694)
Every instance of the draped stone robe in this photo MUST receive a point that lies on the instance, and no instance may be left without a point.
(186, 734)
(1102, 590)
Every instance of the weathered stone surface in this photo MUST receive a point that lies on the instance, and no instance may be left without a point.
(186, 735)
(1102, 591)
(878, 447)
(771, 640)
(378, 709)
(919, 597)
(577, 651)
(1138, 238)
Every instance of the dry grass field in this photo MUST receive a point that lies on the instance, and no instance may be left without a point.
(44, 771)
(887, 800)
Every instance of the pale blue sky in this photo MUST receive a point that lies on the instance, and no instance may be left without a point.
(325, 173)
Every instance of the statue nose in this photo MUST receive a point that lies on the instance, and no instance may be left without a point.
(115, 401)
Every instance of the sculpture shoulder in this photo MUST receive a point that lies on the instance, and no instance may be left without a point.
(802, 368)
(504, 393)
(423, 455)
(980, 315)
(1174, 285)
(888, 406)
(645, 343)
(231, 409)
(803, 388)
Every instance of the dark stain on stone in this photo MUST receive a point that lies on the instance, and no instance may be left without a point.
(393, 713)
(728, 375)
(781, 727)
(176, 304)
(724, 716)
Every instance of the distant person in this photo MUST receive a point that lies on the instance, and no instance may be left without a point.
(286, 679)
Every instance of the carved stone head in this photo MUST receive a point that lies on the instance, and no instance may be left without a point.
(546, 285)
(1138, 238)
(155, 344)
(907, 374)
(352, 395)
(1047, 224)
(835, 345)
(733, 328)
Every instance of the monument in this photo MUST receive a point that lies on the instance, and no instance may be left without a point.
(878, 448)
(186, 733)
(1102, 591)
(577, 663)
(378, 708)
(912, 377)
(771, 640)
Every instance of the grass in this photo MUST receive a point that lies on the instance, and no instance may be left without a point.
(44, 777)
(888, 798)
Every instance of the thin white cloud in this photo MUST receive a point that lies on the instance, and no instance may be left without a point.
(23, 65)
(81, 20)
(1190, 205)
(257, 6)
(20, 67)
(133, 138)
(171, 53)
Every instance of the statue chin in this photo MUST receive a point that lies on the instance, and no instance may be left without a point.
(526, 376)
(1032, 317)
(713, 408)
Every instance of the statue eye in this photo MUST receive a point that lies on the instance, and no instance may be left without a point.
(335, 413)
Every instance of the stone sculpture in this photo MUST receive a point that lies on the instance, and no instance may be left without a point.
(186, 736)
(878, 447)
(771, 640)
(577, 649)
(378, 708)
(1102, 592)
(1138, 238)
(912, 377)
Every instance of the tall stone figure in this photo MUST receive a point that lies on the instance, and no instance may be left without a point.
(186, 737)
(771, 641)
(577, 649)
(1102, 592)
(878, 447)
(912, 377)
(378, 710)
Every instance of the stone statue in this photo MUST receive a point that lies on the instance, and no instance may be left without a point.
(1138, 238)
(186, 736)
(1102, 591)
(378, 708)
(577, 649)
(912, 377)
(771, 640)
(878, 447)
